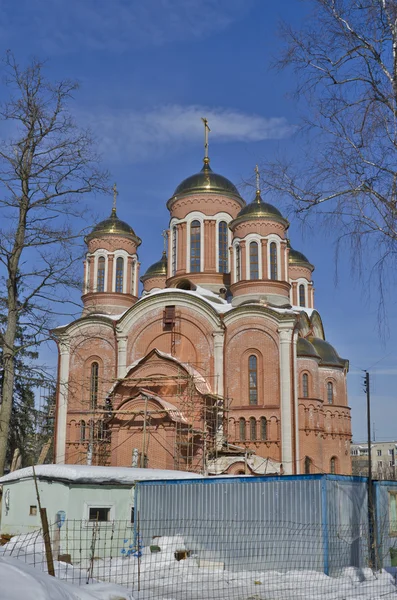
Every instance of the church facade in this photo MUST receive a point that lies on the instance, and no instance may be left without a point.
(220, 365)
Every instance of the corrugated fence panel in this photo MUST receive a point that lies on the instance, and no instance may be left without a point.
(347, 523)
(253, 523)
(386, 530)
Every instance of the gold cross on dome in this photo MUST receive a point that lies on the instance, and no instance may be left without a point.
(115, 194)
(257, 179)
(206, 131)
(165, 238)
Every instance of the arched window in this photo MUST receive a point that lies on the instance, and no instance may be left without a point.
(100, 282)
(242, 429)
(195, 246)
(94, 384)
(254, 264)
(330, 392)
(82, 431)
(263, 429)
(332, 465)
(305, 385)
(302, 295)
(238, 263)
(174, 248)
(273, 260)
(253, 379)
(253, 429)
(308, 465)
(223, 246)
(119, 274)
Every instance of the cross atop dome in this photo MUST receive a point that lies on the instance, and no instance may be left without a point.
(206, 131)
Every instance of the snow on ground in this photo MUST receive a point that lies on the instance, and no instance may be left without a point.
(20, 581)
(158, 576)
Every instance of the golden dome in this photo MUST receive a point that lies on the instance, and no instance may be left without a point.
(298, 259)
(204, 182)
(158, 269)
(113, 226)
(258, 209)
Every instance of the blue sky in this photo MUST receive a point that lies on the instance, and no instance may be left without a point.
(148, 71)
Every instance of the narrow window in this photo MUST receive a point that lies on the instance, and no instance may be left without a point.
(305, 385)
(100, 514)
(100, 284)
(253, 429)
(330, 392)
(332, 465)
(223, 245)
(132, 514)
(273, 260)
(174, 249)
(302, 295)
(94, 384)
(253, 379)
(82, 431)
(263, 429)
(195, 246)
(119, 275)
(238, 263)
(242, 429)
(133, 278)
(308, 465)
(254, 265)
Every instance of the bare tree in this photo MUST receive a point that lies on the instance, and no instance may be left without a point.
(46, 164)
(345, 59)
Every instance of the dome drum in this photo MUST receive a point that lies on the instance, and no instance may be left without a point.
(265, 291)
(208, 280)
(107, 303)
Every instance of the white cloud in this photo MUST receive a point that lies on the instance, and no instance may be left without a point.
(134, 136)
(115, 25)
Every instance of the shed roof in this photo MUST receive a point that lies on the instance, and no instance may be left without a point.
(93, 474)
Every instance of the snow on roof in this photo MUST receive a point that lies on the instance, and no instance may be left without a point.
(92, 474)
(218, 304)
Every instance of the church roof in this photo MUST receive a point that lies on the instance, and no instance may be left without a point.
(157, 269)
(305, 349)
(113, 226)
(205, 182)
(257, 209)
(298, 258)
(328, 354)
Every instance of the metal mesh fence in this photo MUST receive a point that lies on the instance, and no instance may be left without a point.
(197, 560)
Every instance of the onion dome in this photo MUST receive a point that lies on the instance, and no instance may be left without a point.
(204, 182)
(328, 354)
(298, 259)
(258, 209)
(158, 269)
(305, 349)
(113, 226)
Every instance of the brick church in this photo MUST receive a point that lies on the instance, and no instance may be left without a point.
(219, 365)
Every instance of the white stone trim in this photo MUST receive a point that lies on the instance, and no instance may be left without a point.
(222, 217)
(253, 237)
(120, 254)
(296, 405)
(201, 217)
(62, 409)
(97, 254)
(285, 333)
(274, 238)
